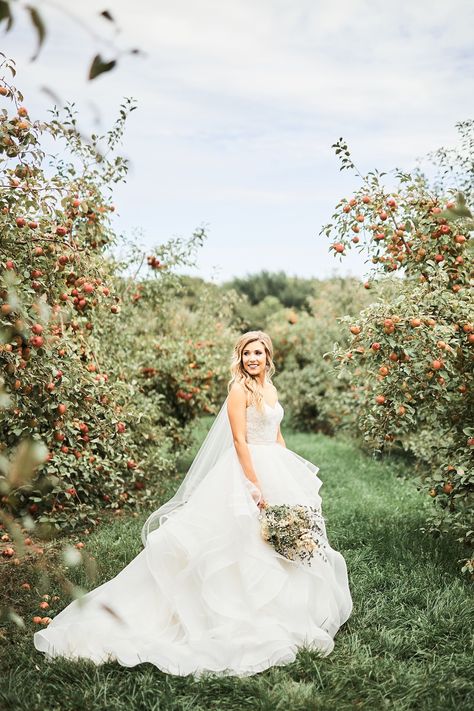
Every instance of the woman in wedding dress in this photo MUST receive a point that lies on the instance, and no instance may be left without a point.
(207, 593)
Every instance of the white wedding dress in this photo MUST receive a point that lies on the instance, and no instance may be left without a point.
(208, 593)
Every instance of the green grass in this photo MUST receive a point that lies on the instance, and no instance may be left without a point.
(407, 645)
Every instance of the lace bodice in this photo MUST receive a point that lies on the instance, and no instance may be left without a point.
(262, 427)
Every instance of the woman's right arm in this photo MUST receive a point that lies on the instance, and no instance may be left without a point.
(236, 409)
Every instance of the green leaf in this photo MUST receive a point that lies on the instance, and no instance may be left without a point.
(452, 213)
(5, 14)
(107, 15)
(98, 66)
(460, 199)
(39, 26)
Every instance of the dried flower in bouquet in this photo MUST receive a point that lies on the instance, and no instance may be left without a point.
(296, 532)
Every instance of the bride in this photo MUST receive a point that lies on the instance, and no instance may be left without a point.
(208, 593)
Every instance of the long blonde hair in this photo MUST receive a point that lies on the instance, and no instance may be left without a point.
(240, 375)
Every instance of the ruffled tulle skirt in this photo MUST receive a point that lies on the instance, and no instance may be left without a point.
(207, 593)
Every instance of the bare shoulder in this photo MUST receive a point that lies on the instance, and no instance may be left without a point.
(237, 396)
(274, 390)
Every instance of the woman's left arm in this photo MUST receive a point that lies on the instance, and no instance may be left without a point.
(280, 439)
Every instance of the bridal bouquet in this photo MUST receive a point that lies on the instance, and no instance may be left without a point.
(294, 531)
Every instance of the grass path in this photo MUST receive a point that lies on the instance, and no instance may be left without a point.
(407, 646)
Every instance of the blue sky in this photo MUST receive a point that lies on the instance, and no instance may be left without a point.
(238, 105)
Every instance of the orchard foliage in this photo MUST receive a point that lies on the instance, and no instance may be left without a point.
(177, 353)
(291, 292)
(410, 229)
(54, 221)
(314, 399)
(455, 165)
(410, 357)
(100, 373)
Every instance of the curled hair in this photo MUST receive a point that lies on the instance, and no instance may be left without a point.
(240, 375)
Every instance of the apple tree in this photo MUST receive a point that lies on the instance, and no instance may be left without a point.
(75, 376)
(410, 356)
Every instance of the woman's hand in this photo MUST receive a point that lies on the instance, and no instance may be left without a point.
(258, 497)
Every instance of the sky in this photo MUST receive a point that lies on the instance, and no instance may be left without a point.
(239, 103)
